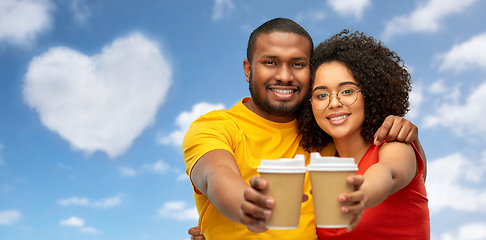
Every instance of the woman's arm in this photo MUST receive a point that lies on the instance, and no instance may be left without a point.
(395, 170)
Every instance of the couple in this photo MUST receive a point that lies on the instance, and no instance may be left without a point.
(356, 83)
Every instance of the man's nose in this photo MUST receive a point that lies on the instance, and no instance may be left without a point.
(284, 74)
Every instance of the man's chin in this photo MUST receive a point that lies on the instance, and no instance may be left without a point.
(281, 109)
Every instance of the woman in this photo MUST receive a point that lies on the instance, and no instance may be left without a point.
(357, 83)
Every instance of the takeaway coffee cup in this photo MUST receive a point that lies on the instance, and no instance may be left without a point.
(285, 179)
(328, 179)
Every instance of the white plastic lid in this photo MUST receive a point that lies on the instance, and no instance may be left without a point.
(283, 165)
(319, 163)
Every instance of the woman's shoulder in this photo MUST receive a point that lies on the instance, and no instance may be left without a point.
(396, 149)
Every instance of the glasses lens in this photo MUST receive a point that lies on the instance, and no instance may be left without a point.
(347, 96)
(320, 100)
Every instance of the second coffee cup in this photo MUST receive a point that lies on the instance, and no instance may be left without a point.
(328, 179)
(285, 178)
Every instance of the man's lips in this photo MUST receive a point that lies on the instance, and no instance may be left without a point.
(283, 92)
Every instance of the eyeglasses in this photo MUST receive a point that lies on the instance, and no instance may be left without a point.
(346, 96)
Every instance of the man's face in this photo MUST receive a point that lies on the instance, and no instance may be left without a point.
(279, 75)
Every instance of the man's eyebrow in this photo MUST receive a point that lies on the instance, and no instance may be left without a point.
(269, 56)
(275, 57)
(299, 58)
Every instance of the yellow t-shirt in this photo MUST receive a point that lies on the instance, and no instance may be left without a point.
(250, 138)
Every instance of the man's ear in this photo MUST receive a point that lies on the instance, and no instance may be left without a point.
(247, 69)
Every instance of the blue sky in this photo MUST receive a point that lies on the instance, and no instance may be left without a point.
(95, 97)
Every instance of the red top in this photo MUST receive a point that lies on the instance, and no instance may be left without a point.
(403, 215)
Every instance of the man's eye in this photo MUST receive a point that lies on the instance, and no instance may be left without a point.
(298, 64)
(270, 63)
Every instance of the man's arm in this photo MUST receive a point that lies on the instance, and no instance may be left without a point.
(217, 176)
(400, 129)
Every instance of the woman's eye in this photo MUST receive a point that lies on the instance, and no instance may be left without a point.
(322, 95)
(347, 91)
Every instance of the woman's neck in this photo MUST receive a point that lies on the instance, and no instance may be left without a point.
(354, 147)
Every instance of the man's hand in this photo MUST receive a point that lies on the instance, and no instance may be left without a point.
(196, 234)
(396, 129)
(257, 207)
(355, 198)
(400, 129)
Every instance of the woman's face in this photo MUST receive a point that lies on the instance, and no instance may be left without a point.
(338, 120)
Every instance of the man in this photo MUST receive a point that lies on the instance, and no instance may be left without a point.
(222, 149)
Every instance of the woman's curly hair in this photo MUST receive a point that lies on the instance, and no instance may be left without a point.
(381, 74)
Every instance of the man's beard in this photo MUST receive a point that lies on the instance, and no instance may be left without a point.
(281, 110)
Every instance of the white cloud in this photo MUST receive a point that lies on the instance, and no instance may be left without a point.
(468, 231)
(451, 114)
(72, 221)
(469, 54)
(425, 18)
(108, 202)
(416, 98)
(127, 172)
(222, 8)
(449, 184)
(9, 217)
(74, 201)
(102, 102)
(80, 10)
(182, 177)
(349, 7)
(104, 203)
(178, 210)
(22, 21)
(184, 120)
(78, 222)
(91, 230)
(438, 87)
(157, 167)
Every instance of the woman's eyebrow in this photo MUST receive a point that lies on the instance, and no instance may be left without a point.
(347, 83)
(319, 87)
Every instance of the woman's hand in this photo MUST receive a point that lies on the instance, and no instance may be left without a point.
(356, 199)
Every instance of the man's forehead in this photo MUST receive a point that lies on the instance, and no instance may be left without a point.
(283, 41)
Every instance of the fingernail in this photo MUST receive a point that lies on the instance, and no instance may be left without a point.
(342, 198)
(345, 210)
(266, 213)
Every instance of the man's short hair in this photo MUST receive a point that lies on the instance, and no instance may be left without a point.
(276, 25)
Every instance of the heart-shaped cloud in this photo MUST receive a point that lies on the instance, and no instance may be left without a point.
(102, 102)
